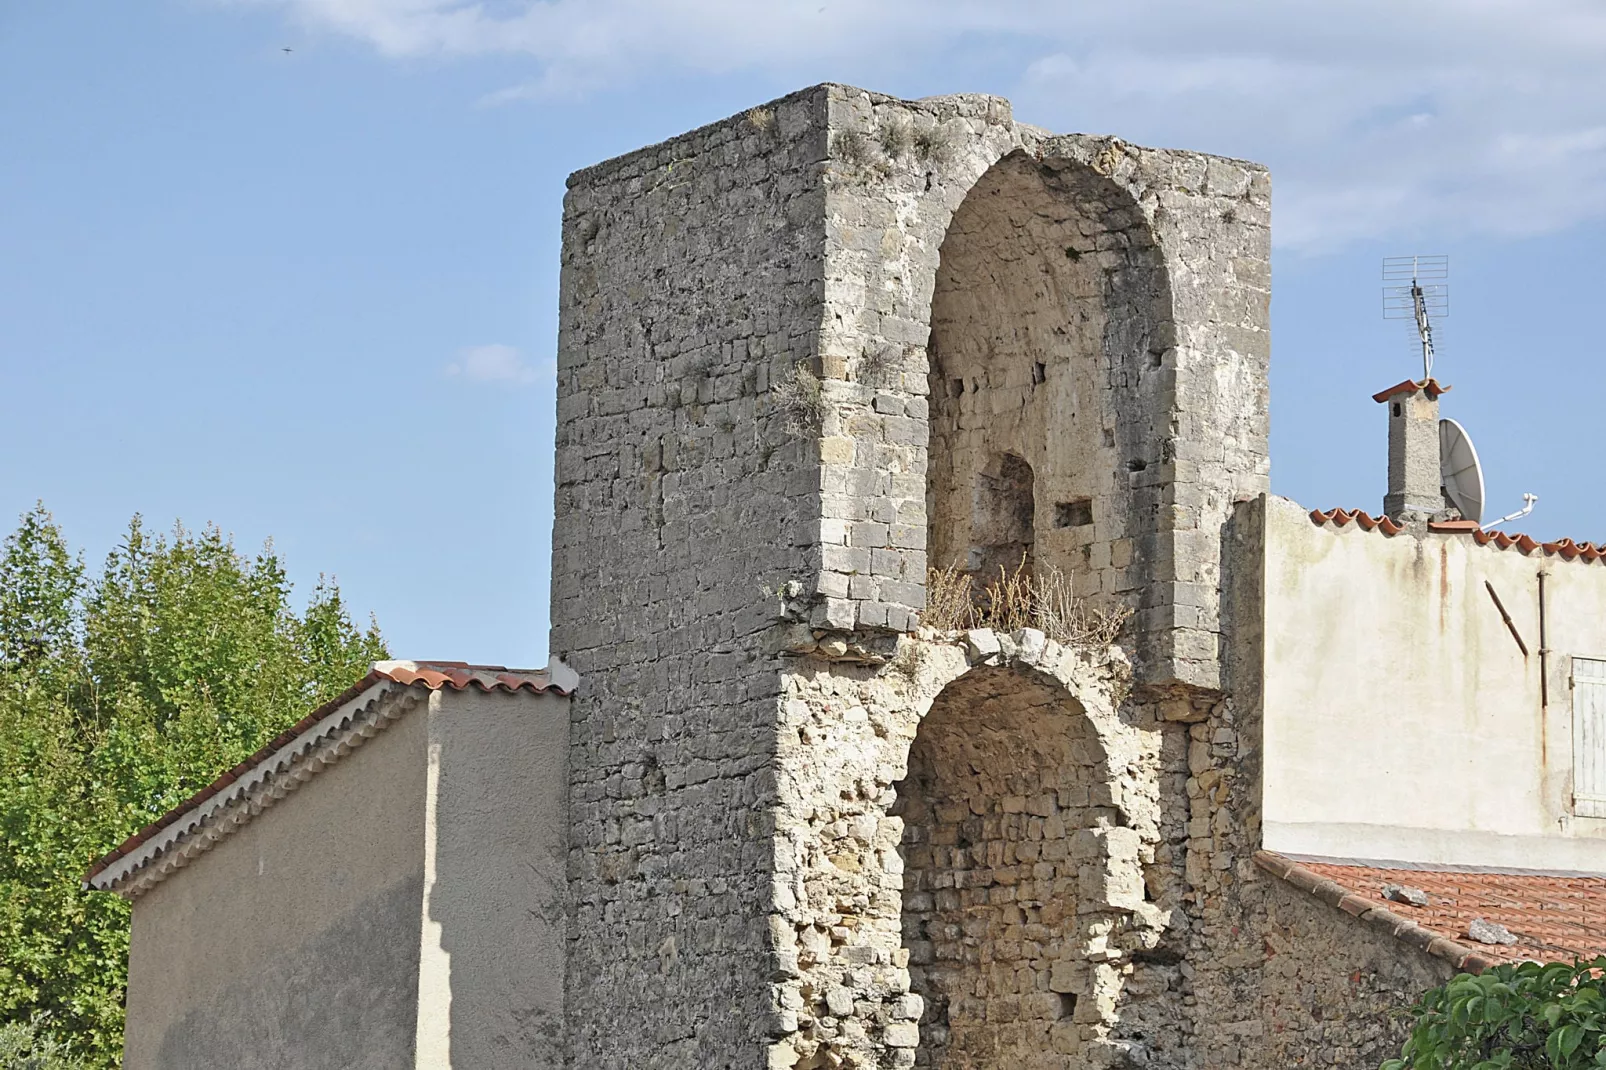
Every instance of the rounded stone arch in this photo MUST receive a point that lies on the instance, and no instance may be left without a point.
(1017, 859)
(1050, 317)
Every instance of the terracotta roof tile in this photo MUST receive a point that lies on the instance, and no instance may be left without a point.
(1431, 387)
(1554, 918)
(435, 675)
(1566, 549)
(1365, 521)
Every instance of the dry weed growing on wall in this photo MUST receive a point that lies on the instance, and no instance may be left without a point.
(800, 401)
(1017, 600)
(950, 607)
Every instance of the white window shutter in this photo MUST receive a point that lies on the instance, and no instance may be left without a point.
(1589, 737)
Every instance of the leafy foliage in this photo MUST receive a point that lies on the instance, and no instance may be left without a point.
(120, 696)
(26, 1046)
(1511, 1018)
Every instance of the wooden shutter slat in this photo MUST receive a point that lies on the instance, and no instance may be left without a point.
(1589, 737)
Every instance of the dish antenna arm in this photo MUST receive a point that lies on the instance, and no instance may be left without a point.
(1528, 501)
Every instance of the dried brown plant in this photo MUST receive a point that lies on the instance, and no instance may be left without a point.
(950, 607)
(1068, 619)
(798, 398)
(1021, 599)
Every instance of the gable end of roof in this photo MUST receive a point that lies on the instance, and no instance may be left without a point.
(329, 733)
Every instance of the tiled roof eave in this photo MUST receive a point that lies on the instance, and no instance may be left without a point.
(1374, 913)
(322, 737)
(1364, 520)
(154, 854)
(1568, 550)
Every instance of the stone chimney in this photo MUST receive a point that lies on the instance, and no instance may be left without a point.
(1415, 483)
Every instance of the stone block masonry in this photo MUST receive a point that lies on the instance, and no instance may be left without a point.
(691, 285)
(961, 857)
(805, 353)
(1092, 313)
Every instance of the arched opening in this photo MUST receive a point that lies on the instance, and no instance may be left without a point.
(998, 824)
(1047, 341)
(1003, 513)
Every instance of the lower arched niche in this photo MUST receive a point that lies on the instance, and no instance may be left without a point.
(998, 814)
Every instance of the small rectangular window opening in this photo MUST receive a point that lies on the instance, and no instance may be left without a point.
(1039, 372)
(1073, 514)
(956, 387)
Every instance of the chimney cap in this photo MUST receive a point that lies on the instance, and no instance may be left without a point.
(1430, 387)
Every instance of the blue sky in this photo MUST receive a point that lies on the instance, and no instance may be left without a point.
(311, 294)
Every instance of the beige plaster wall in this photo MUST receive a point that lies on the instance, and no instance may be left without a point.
(1402, 721)
(294, 941)
(404, 907)
(491, 977)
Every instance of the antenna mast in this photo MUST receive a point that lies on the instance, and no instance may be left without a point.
(1416, 301)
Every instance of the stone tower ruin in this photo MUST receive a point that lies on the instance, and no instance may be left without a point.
(805, 355)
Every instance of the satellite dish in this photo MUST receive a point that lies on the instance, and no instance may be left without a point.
(1460, 471)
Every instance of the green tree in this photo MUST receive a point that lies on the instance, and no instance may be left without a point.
(29, 1047)
(1550, 1016)
(120, 696)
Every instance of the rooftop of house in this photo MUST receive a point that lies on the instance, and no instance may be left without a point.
(1548, 917)
(1567, 549)
(329, 732)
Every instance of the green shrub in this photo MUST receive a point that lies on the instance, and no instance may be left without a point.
(1511, 1018)
(26, 1046)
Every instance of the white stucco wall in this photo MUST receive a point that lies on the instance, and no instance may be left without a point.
(293, 941)
(1401, 719)
(404, 907)
(491, 976)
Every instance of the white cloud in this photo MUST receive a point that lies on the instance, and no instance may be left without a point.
(1377, 117)
(494, 364)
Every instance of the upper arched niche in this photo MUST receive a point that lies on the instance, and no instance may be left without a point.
(1047, 337)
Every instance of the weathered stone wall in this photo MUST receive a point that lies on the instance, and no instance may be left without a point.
(1332, 985)
(898, 171)
(961, 874)
(742, 492)
(996, 817)
(1153, 334)
(1043, 350)
(692, 283)
(1271, 977)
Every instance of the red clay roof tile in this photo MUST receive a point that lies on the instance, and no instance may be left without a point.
(1365, 521)
(1554, 918)
(1566, 549)
(1431, 387)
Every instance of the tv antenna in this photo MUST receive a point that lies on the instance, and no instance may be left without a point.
(1417, 291)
